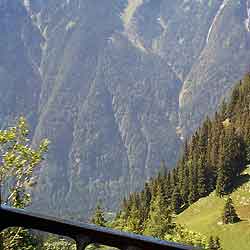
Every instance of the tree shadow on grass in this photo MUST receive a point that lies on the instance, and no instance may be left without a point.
(240, 180)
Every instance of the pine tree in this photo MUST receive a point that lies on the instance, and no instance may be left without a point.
(168, 188)
(202, 186)
(214, 244)
(134, 223)
(222, 178)
(231, 160)
(193, 195)
(176, 200)
(185, 185)
(211, 243)
(98, 217)
(217, 243)
(233, 102)
(145, 202)
(223, 110)
(247, 147)
(229, 215)
(221, 184)
(160, 218)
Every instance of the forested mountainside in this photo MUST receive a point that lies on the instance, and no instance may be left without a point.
(120, 83)
(214, 164)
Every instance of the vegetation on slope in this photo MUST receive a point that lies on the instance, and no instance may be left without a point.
(205, 216)
(212, 163)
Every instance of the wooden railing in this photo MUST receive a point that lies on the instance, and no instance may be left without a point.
(83, 234)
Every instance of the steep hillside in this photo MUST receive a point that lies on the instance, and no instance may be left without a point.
(120, 83)
(20, 55)
(224, 57)
(204, 216)
(213, 166)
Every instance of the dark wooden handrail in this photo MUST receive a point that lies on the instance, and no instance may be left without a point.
(83, 234)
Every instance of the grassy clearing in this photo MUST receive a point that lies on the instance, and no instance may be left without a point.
(205, 216)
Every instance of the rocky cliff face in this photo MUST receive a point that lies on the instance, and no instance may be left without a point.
(20, 55)
(224, 57)
(119, 84)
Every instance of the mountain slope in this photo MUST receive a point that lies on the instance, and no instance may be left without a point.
(20, 79)
(213, 166)
(224, 56)
(204, 216)
(119, 84)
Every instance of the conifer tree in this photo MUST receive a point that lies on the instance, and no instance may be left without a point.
(214, 243)
(185, 184)
(160, 218)
(168, 188)
(217, 243)
(229, 215)
(222, 177)
(134, 223)
(223, 110)
(98, 217)
(193, 195)
(145, 202)
(176, 200)
(247, 144)
(233, 102)
(231, 161)
(211, 243)
(202, 186)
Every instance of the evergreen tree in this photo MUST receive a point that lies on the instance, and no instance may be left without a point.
(247, 145)
(176, 200)
(217, 243)
(184, 185)
(229, 215)
(98, 217)
(99, 220)
(231, 161)
(168, 188)
(214, 243)
(134, 222)
(202, 187)
(193, 195)
(223, 110)
(160, 218)
(211, 243)
(222, 180)
(234, 101)
(222, 177)
(145, 202)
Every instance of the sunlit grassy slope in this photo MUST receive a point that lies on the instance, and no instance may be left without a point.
(205, 216)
